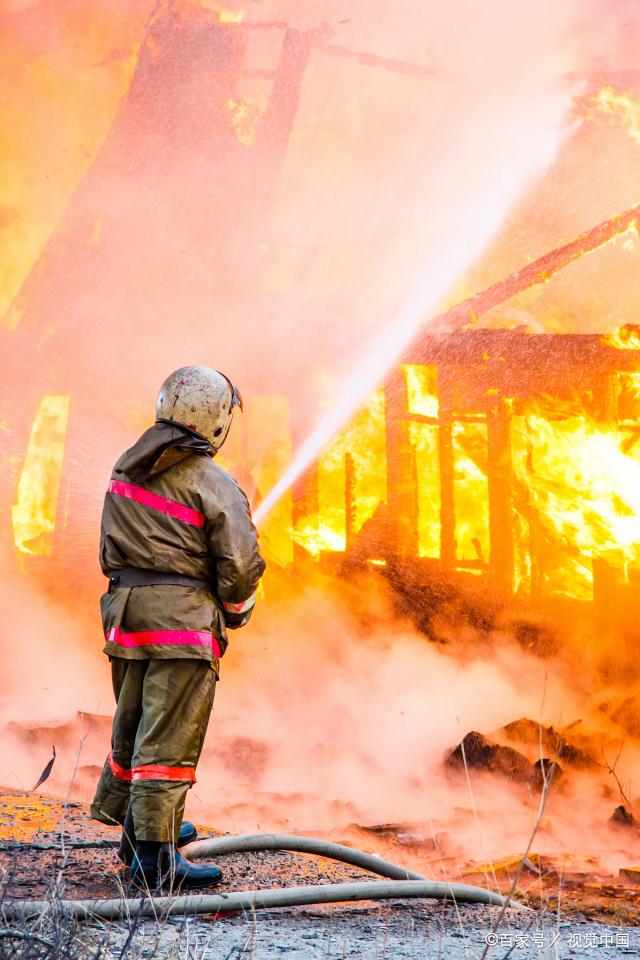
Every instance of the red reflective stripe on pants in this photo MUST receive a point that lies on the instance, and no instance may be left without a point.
(152, 771)
(147, 638)
(171, 507)
(119, 772)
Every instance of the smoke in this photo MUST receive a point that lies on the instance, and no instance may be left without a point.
(381, 204)
(351, 714)
(52, 673)
(332, 712)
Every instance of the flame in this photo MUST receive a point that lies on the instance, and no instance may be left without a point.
(621, 107)
(584, 491)
(364, 442)
(629, 239)
(469, 443)
(34, 515)
(471, 494)
(231, 16)
(244, 117)
(422, 399)
(424, 438)
(422, 390)
(576, 486)
(321, 536)
(624, 338)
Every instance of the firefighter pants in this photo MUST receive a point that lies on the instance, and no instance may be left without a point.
(162, 713)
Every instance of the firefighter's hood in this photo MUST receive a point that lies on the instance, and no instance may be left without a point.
(159, 448)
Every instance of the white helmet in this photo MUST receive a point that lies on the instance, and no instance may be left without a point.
(201, 399)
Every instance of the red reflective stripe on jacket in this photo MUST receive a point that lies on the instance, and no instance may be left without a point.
(156, 502)
(119, 772)
(155, 771)
(240, 607)
(147, 638)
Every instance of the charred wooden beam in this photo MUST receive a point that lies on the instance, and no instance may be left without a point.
(447, 493)
(350, 499)
(538, 353)
(402, 67)
(500, 497)
(540, 271)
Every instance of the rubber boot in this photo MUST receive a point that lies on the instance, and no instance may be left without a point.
(160, 866)
(127, 847)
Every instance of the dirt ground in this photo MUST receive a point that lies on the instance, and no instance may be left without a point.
(45, 841)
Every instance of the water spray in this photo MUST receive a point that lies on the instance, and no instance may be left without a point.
(388, 348)
(383, 354)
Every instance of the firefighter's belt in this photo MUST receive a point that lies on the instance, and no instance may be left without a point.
(133, 577)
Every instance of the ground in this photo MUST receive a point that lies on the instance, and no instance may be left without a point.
(38, 837)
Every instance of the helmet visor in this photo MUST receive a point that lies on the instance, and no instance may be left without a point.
(236, 396)
(236, 399)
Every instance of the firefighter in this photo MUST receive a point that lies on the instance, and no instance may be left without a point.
(181, 554)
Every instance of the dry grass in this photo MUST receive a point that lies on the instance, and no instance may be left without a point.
(52, 936)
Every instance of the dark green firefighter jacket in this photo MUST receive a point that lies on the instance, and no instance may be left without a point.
(171, 510)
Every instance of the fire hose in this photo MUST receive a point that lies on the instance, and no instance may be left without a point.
(406, 885)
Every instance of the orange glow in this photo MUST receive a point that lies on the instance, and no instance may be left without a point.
(34, 515)
(70, 107)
